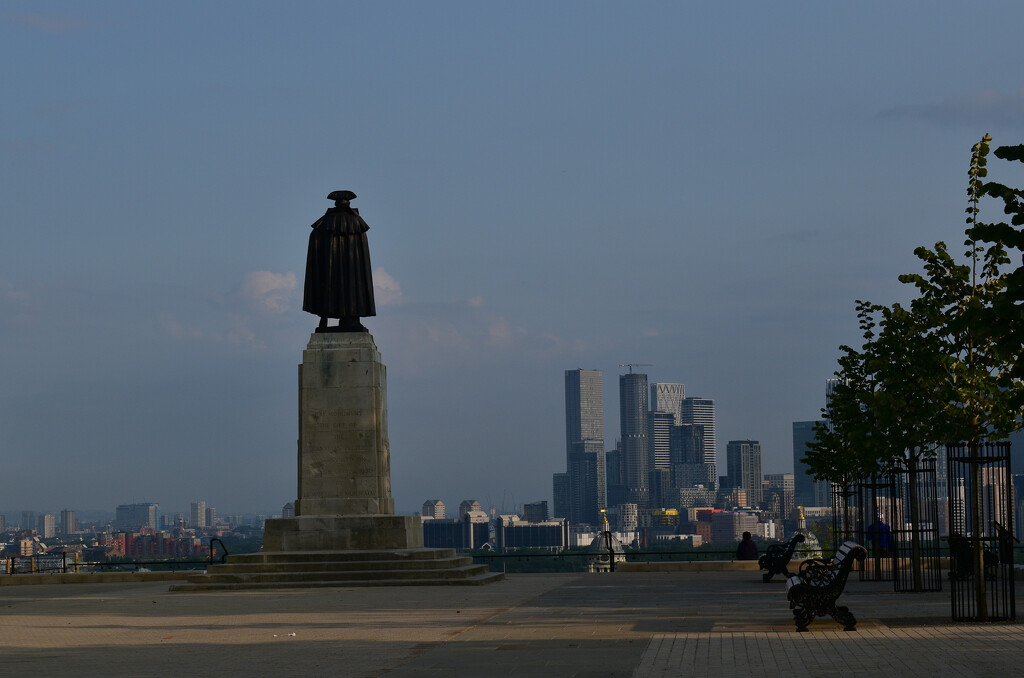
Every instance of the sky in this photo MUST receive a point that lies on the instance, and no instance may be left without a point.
(703, 187)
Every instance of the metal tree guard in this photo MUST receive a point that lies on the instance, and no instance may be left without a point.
(981, 532)
(915, 526)
(844, 515)
(874, 520)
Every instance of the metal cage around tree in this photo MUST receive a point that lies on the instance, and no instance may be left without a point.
(914, 524)
(875, 503)
(981, 540)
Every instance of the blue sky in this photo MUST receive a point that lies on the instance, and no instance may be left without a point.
(704, 187)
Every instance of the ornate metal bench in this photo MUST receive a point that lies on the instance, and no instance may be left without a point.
(777, 556)
(813, 591)
(961, 558)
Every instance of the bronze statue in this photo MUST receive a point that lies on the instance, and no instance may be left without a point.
(339, 282)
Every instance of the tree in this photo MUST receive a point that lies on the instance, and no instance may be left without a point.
(906, 406)
(844, 450)
(1004, 319)
(961, 307)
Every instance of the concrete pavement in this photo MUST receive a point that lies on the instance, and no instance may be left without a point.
(621, 624)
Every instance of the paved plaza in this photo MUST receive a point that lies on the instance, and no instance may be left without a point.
(620, 624)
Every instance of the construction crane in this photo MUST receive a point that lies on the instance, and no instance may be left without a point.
(632, 365)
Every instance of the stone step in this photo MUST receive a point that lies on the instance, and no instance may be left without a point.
(232, 567)
(354, 575)
(337, 556)
(476, 580)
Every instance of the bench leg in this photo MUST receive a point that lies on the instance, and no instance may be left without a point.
(845, 617)
(802, 616)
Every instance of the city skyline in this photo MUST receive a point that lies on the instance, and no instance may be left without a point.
(702, 188)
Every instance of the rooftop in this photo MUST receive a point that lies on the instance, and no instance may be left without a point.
(615, 624)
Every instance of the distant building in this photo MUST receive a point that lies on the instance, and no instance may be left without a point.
(468, 505)
(701, 411)
(686, 444)
(616, 477)
(779, 494)
(689, 497)
(28, 520)
(287, 511)
(667, 397)
(197, 514)
(729, 526)
(68, 524)
(744, 465)
(433, 509)
(660, 484)
(807, 491)
(471, 531)
(624, 517)
(47, 526)
(695, 475)
(134, 516)
(510, 532)
(535, 512)
(634, 442)
(584, 447)
(211, 516)
(659, 433)
(587, 491)
(561, 494)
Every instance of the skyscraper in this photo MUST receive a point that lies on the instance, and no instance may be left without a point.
(659, 434)
(633, 429)
(615, 476)
(702, 411)
(197, 514)
(584, 447)
(667, 397)
(134, 516)
(47, 527)
(68, 524)
(584, 407)
(803, 484)
(744, 468)
(687, 458)
(433, 509)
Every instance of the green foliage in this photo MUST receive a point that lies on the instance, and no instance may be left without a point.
(844, 450)
(957, 303)
(948, 366)
(1003, 320)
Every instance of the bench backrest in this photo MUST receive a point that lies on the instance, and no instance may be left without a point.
(842, 552)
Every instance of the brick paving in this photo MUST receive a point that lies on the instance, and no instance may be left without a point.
(621, 624)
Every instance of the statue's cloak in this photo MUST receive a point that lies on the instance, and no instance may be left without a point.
(339, 281)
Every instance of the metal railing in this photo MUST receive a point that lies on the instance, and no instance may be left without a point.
(65, 563)
(577, 561)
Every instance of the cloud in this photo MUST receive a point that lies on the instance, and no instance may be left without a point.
(173, 328)
(239, 333)
(56, 24)
(386, 290)
(983, 107)
(268, 291)
(475, 302)
(649, 332)
(9, 292)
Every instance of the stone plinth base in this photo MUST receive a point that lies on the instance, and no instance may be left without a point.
(392, 567)
(343, 533)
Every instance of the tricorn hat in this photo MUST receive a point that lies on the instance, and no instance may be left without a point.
(341, 195)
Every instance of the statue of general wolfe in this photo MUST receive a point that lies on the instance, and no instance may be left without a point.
(339, 282)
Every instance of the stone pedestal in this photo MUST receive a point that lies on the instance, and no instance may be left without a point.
(345, 532)
(344, 498)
